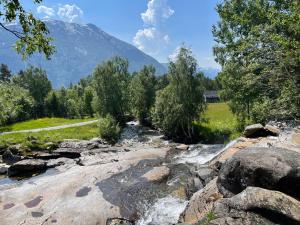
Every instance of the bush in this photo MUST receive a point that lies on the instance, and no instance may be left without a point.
(109, 129)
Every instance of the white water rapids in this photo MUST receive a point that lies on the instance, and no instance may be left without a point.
(166, 211)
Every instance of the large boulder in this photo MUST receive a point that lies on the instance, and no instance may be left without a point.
(27, 166)
(257, 206)
(157, 174)
(270, 168)
(258, 130)
(201, 203)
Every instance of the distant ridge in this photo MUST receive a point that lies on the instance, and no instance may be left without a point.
(79, 49)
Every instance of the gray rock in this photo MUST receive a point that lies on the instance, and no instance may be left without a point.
(257, 206)
(3, 168)
(272, 129)
(206, 174)
(270, 168)
(69, 152)
(27, 166)
(253, 129)
(59, 162)
(9, 158)
(119, 221)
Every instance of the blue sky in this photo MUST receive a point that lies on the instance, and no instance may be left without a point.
(157, 27)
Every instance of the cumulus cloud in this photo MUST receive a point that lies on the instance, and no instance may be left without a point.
(46, 11)
(150, 40)
(157, 12)
(70, 13)
(153, 38)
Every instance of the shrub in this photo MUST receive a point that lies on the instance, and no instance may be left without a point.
(109, 129)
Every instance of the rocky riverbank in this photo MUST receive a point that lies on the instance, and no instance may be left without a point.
(145, 180)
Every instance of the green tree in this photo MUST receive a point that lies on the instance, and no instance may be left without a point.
(181, 102)
(36, 82)
(142, 93)
(258, 47)
(88, 99)
(33, 36)
(5, 74)
(15, 104)
(52, 105)
(110, 83)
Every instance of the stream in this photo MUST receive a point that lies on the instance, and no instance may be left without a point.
(157, 203)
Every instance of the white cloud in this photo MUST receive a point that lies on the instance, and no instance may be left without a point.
(70, 13)
(150, 40)
(153, 39)
(157, 12)
(47, 11)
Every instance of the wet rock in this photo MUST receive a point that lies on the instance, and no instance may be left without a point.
(15, 149)
(27, 166)
(182, 147)
(201, 203)
(270, 168)
(9, 158)
(59, 162)
(119, 221)
(157, 174)
(3, 168)
(257, 206)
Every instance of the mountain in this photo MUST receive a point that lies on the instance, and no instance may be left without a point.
(79, 48)
(208, 71)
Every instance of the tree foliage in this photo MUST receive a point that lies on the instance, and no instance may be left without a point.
(142, 93)
(259, 49)
(36, 82)
(181, 102)
(33, 36)
(16, 104)
(111, 87)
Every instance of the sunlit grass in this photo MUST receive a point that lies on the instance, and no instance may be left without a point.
(37, 141)
(218, 123)
(42, 123)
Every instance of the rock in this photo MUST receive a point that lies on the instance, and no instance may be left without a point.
(264, 206)
(296, 138)
(69, 152)
(270, 168)
(59, 162)
(254, 131)
(201, 203)
(119, 221)
(182, 147)
(3, 168)
(46, 156)
(206, 174)
(15, 149)
(9, 158)
(272, 129)
(157, 174)
(27, 166)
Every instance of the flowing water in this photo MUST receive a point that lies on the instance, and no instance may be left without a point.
(167, 210)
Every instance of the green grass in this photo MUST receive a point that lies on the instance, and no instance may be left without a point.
(38, 141)
(41, 123)
(218, 124)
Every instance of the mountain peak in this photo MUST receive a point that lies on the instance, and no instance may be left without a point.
(79, 48)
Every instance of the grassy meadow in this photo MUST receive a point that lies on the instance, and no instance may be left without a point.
(218, 124)
(41, 123)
